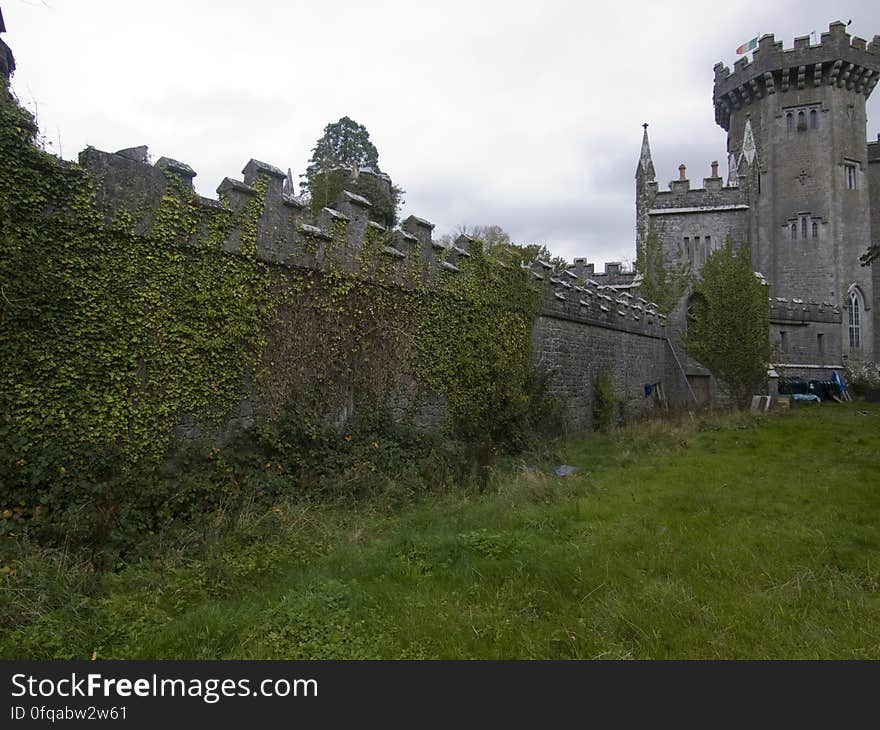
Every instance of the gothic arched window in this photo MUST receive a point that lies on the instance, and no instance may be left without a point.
(855, 319)
(789, 122)
(814, 119)
(794, 232)
(815, 230)
(803, 227)
(802, 121)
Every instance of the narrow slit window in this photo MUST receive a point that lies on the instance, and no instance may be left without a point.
(850, 172)
(815, 230)
(803, 227)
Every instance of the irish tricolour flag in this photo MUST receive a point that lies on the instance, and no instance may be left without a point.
(746, 47)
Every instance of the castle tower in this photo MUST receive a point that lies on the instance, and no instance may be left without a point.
(796, 125)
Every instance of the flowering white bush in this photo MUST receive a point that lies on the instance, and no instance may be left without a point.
(861, 376)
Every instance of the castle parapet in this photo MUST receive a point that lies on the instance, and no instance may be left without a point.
(356, 209)
(604, 306)
(682, 198)
(613, 275)
(874, 150)
(262, 218)
(420, 228)
(836, 60)
(254, 169)
(783, 310)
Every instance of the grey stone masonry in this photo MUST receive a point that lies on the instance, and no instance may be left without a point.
(801, 192)
(694, 222)
(605, 323)
(614, 273)
(585, 328)
(874, 190)
(796, 125)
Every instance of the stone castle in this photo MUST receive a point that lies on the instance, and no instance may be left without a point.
(803, 191)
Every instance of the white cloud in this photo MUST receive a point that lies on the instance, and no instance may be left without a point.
(525, 115)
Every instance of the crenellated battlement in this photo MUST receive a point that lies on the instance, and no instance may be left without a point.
(874, 150)
(601, 306)
(784, 310)
(682, 198)
(340, 236)
(838, 59)
(343, 236)
(614, 273)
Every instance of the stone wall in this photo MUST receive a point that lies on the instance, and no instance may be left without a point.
(584, 325)
(577, 353)
(804, 338)
(874, 185)
(585, 328)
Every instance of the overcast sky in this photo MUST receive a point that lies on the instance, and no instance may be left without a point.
(524, 115)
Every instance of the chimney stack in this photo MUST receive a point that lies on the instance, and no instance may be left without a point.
(715, 168)
(682, 169)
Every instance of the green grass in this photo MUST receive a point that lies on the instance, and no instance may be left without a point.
(715, 537)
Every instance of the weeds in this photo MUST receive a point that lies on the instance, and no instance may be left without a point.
(755, 540)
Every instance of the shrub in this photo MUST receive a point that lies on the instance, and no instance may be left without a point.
(862, 376)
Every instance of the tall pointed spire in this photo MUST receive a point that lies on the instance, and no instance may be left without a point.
(646, 164)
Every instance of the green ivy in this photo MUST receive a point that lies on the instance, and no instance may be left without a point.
(110, 338)
(663, 282)
(729, 321)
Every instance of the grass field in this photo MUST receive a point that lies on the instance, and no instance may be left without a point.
(715, 537)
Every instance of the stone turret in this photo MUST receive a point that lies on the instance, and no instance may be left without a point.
(836, 61)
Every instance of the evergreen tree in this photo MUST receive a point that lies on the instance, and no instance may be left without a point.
(345, 144)
(336, 159)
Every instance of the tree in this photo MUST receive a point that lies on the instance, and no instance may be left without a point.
(729, 321)
(345, 143)
(493, 237)
(336, 164)
(496, 240)
(541, 251)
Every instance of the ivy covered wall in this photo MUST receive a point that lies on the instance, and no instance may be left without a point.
(134, 311)
(136, 315)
